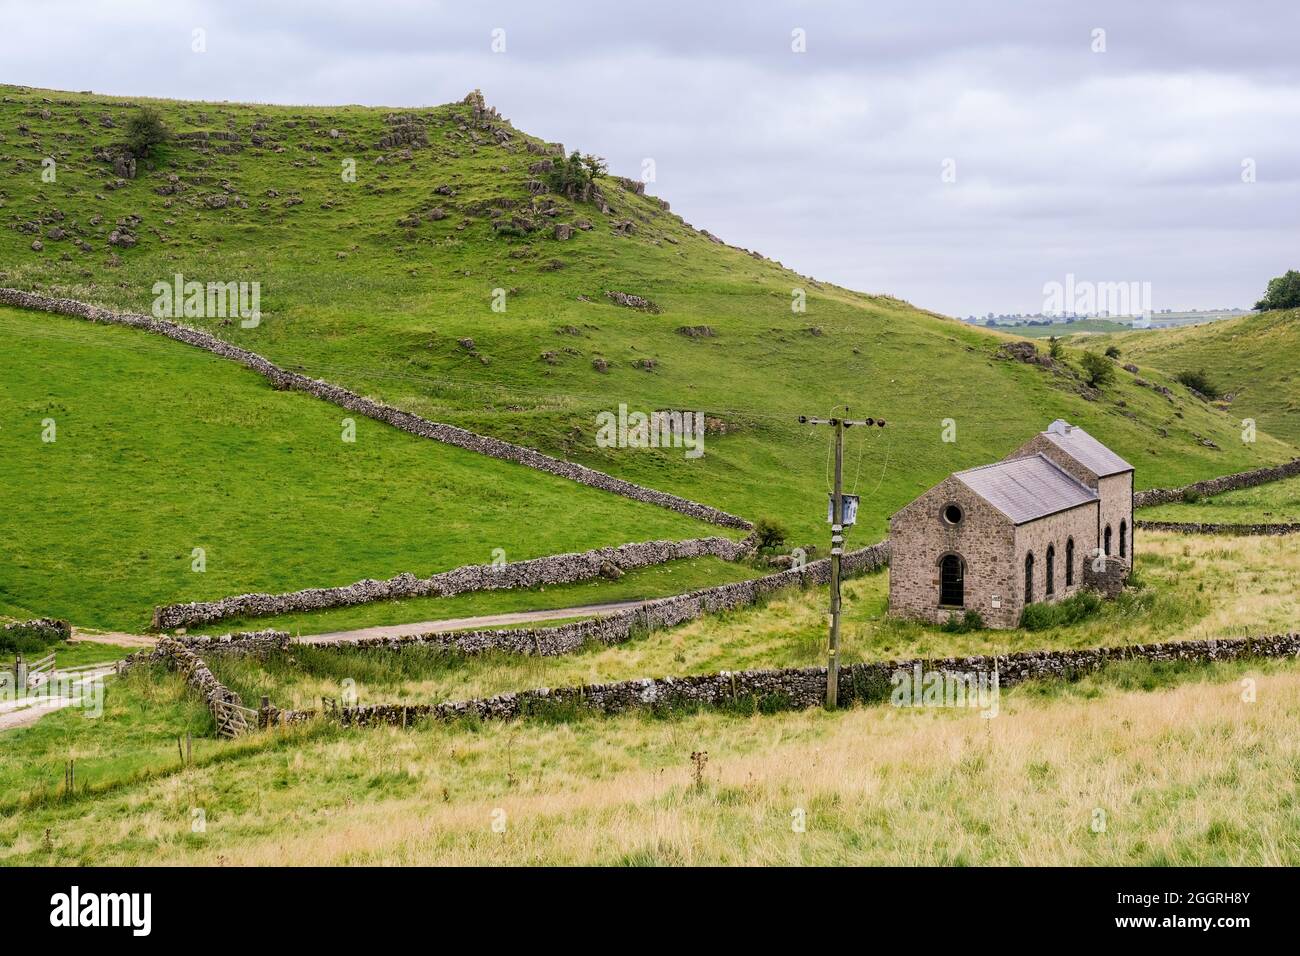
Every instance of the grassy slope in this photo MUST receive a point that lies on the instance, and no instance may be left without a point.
(351, 296)
(1253, 357)
(1184, 771)
(162, 448)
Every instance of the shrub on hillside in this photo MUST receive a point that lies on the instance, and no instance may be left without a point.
(770, 534)
(1075, 608)
(1112, 352)
(1097, 369)
(145, 131)
(1283, 293)
(1054, 347)
(1198, 381)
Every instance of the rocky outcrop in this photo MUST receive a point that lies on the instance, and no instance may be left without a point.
(1217, 486)
(631, 301)
(795, 688)
(406, 421)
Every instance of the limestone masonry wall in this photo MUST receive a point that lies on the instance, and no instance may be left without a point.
(1196, 527)
(1215, 486)
(623, 625)
(794, 688)
(406, 421)
(46, 628)
(552, 569)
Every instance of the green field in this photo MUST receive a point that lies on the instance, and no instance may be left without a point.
(161, 448)
(1252, 360)
(1061, 330)
(351, 296)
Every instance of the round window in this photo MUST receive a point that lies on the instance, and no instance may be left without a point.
(952, 514)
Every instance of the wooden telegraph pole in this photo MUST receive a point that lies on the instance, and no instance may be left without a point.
(837, 544)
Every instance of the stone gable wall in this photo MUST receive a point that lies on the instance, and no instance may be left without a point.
(919, 537)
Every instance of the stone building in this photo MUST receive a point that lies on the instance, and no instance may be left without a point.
(1054, 516)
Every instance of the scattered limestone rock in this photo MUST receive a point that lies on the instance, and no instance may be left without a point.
(631, 301)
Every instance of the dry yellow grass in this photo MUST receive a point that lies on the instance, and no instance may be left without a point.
(1185, 774)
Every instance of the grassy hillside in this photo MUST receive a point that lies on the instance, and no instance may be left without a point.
(1254, 359)
(161, 448)
(380, 283)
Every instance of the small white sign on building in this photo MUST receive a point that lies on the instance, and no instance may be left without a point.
(996, 601)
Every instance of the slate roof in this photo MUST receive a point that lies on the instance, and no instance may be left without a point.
(1085, 449)
(1026, 488)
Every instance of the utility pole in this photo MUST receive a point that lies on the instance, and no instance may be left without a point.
(837, 544)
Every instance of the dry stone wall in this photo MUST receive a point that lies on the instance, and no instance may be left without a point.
(553, 569)
(796, 688)
(242, 644)
(406, 421)
(183, 659)
(623, 625)
(1216, 486)
(46, 629)
(1198, 527)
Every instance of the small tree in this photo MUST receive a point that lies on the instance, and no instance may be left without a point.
(1112, 352)
(145, 130)
(1283, 293)
(1097, 369)
(575, 175)
(769, 534)
(1054, 347)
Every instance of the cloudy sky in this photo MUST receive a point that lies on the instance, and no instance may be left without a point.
(1114, 156)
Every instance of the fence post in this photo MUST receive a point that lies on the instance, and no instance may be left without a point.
(264, 712)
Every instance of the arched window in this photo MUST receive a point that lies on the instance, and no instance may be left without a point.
(952, 585)
(1050, 587)
(1123, 539)
(1069, 563)
(1029, 578)
(1106, 541)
